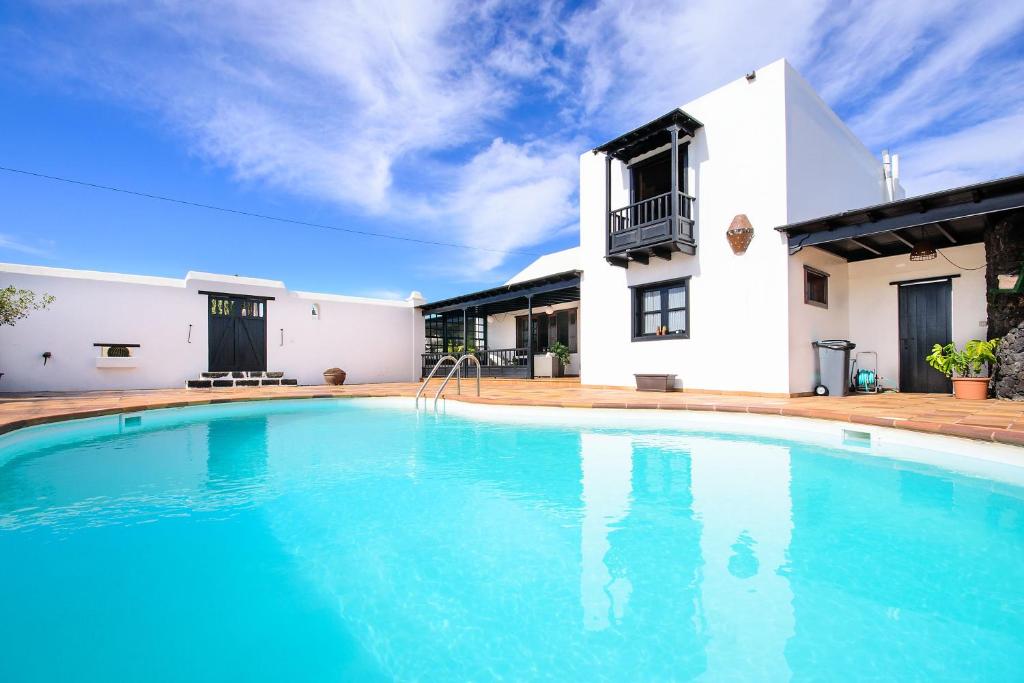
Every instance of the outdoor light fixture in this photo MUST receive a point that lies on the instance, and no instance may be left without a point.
(923, 251)
(739, 234)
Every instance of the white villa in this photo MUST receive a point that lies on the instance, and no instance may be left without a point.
(656, 285)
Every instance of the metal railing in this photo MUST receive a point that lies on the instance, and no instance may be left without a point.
(650, 210)
(455, 369)
(495, 362)
(433, 371)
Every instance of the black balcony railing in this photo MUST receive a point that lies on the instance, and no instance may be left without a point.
(493, 363)
(649, 223)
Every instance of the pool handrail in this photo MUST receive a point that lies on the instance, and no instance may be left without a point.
(455, 369)
(433, 371)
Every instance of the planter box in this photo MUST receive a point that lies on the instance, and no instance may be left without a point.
(650, 382)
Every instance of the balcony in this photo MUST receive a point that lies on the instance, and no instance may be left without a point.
(651, 227)
(660, 220)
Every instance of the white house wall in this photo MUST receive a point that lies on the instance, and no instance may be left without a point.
(373, 340)
(809, 323)
(874, 303)
(828, 169)
(736, 165)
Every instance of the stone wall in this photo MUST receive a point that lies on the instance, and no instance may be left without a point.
(1009, 376)
(1004, 250)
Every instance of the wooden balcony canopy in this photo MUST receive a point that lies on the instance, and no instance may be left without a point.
(942, 219)
(649, 136)
(543, 291)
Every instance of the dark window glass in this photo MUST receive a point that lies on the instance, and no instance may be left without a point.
(652, 177)
(521, 332)
(573, 344)
(815, 287)
(662, 310)
(540, 333)
(433, 325)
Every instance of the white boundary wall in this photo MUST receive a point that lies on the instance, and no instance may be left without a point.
(373, 340)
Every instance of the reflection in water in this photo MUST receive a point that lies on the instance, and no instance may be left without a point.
(607, 463)
(739, 493)
(237, 450)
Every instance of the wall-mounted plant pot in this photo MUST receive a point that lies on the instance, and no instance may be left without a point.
(334, 376)
(654, 382)
(740, 234)
(971, 388)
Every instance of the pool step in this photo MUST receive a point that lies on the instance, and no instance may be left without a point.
(229, 380)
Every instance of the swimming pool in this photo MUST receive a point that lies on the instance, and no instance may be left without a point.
(360, 540)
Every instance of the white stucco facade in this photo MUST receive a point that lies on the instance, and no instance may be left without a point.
(372, 340)
(769, 148)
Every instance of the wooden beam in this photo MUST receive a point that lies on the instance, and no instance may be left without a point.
(639, 257)
(901, 238)
(662, 252)
(947, 231)
(607, 202)
(865, 246)
(618, 261)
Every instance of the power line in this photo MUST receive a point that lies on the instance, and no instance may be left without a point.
(253, 214)
(956, 264)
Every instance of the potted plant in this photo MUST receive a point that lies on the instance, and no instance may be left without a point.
(561, 354)
(964, 366)
(334, 376)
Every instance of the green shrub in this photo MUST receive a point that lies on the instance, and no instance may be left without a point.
(560, 351)
(966, 362)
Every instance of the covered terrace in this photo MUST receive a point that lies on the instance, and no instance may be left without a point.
(466, 324)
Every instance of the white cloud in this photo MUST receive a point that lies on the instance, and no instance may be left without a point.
(13, 243)
(512, 195)
(992, 149)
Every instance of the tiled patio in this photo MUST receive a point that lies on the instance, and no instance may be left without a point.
(1000, 421)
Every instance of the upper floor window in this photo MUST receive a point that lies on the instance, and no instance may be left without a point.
(815, 287)
(662, 310)
(653, 176)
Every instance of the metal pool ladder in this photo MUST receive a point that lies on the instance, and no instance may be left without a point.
(454, 370)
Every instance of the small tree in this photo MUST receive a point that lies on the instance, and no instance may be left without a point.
(16, 304)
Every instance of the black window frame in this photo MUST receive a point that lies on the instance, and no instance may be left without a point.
(814, 272)
(663, 286)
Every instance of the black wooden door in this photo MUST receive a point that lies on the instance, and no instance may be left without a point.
(238, 333)
(926, 319)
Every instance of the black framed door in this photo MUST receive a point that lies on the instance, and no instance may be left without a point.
(238, 333)
(926, 319)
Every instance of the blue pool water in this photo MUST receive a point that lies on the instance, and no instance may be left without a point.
(352, 540)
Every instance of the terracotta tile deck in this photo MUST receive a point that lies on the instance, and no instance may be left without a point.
(999, 421)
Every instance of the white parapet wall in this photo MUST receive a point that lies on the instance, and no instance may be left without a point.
(373, 340)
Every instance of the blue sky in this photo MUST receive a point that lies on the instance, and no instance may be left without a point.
(445, 121)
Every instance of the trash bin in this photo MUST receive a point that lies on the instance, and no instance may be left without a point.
(833, 367)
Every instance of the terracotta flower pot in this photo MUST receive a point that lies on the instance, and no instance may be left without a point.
(971, 388)
(739, 234)
(335, 376)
